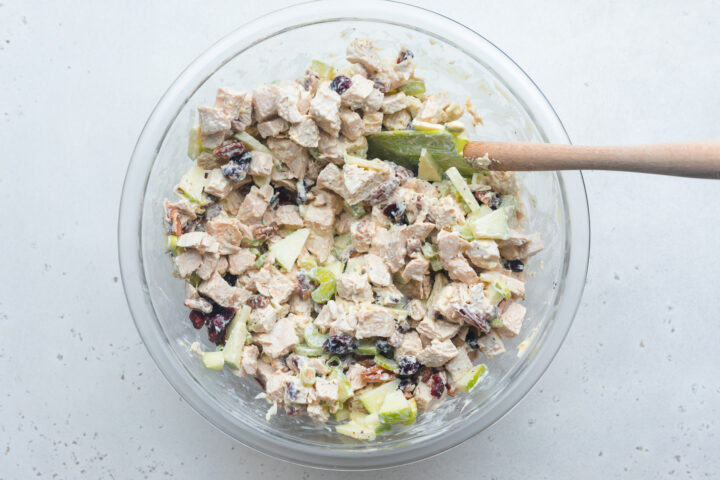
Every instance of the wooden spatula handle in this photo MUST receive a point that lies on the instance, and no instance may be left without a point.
(691, 159)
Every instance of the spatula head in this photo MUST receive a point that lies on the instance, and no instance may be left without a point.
(404, 147)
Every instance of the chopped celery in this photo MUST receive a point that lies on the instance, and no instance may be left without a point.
(428, 250)
(386, 363)
(307, 376)
(496, 323)
(460, 185)
(333, 361)
(464, 232)
(307, 263)
(261, 260)
(367, 347)
(194, 143)
(435, 264)
(314, 338)
(171, 244)
(235, 338)
(326, 290)
(357, 210)
(308, 351)
(415, 88)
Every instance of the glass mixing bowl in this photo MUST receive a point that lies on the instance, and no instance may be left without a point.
(281, 45)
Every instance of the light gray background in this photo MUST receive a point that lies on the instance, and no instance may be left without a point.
(633, 393)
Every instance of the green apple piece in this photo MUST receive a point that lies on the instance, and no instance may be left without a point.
(428, 169)
(509, 202)
(413, 412)
(323, 69)
(493, 226)
(405, 146)
(373, 399)
(395, 408)
(192, 183)
(235, 338)
(194, 143)
(415, 88)
(251, 143)
(341, 414)
(288, 249)
(356, 430)
(471, 378)
(345, 390)
(461, 186)
(213, 360)
(171, 244)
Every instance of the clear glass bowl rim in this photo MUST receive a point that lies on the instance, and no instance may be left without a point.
(148, 145)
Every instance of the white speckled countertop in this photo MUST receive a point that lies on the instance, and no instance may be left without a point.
(634, 391)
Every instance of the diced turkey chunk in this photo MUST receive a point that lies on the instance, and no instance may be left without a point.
(194, 301)
(187, 262)
(331, 179)
(520, 246)
(411, 345)
(229, 101)
(284, 149)
(375, 323)
(438, 353)
(389, 245)
(249, 362)
(217, 184)
(226, 231)
(354, 286)
(351, 123)
(319, 217)
(447, 212)
(422, 396)
(274, 384)
(433, 109)
(459, 365)
(261, 164)
(491, 345)
(374, 101)
(397, 121)
(208, 266)
(512, 320)
(361, 182)
(240, 262)
(394, 103)
(292, 102)
(305, 133)
(377, 271)
(272, 128)
(330, 148)
(219, 290)
(354, 376)
(271, 283)
(213, 124)
(265, 102)
(255, 203)
(280, 341)
(284, 215)
(416, 269)
(484, 253)
(362, 234)
(344, 325)
(459, 269)
(417, 309)
(355, 96)
(201, 241)
(318, 413)
(320, 243)
(330, 311)
(363, 51)
(327, 390)
(262, 319)
(325, 110)
(437, 329)
(372, 123)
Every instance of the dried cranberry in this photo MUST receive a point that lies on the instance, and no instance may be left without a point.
(471, 338)
(515, 265)
(304, 285)
(404, 55)
(291, 391)
(340, 344)
(437, 387)
(472, 315)
(340, 84)
(216, 328)
(257, 301)
(382, 192)
(231, 150)
(396, 212)
(230, 278)
(384, 347)
(282, 196)
(408, 365)
(197, 318)
(235, 171)
(425, 373)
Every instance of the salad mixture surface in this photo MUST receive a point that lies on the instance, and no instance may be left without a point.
(336, 246)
